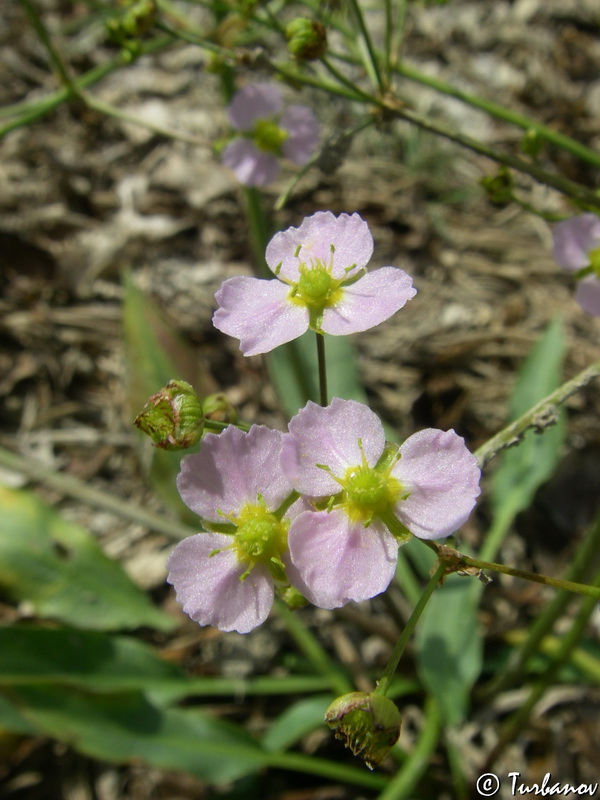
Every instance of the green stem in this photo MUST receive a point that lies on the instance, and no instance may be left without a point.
(55, 58)
(311, 765)
(541, 415)
(569, 188)
(568, 643)
(544, 623)
(72, 487)
(394, 659)
(403, 783)
(358, 94)
(322, 369)
(29, 111)
(313, 650)
(371, 63)
(456, 561)
(500, 112)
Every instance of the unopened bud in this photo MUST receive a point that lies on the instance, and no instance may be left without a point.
(133, 19)
(307, 39)
(173, 418)
(219, 408)
(499, 187)
(368, 723)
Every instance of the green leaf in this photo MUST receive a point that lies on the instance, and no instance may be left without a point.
(295, 722)
(155, 355)
(58, 569)
(525, 467)
(126, 727)
(449, 646)
(88, 659)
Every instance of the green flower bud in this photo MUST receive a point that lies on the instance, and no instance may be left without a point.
(134, 19)
(307, 39)
(173, 418)
(219, 408)
(367, 723)
(499, 187)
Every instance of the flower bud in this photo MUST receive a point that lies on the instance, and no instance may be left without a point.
(307, 39)
(499, 187)
(367, 723)
(219, 408)
(173, 418)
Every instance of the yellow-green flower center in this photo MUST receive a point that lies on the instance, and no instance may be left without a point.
(260, 536)
(368, 492)
(268, 136)
(316, 288)
(594, 256)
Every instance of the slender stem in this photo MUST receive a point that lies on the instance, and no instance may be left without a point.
(559, 583)
(358, 94)
(28, 111)
(500, 112)
(569, 188)
(456, 561)
(567, 644)
(55, 58)
(394, 660)
(322, 369)
(405, 780)
(372, 62)
(68, 485)
(388, 39)
(544, 623)
(537, 417)
(313, 650)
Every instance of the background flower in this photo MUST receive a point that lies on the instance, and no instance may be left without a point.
(322, 284)
(577, 247)
(268, 134)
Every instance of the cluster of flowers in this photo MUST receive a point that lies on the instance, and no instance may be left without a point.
(324, 507)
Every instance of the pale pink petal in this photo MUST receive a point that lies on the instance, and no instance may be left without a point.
(303, 134)
(369, 301)
(349, 235)
(252, 166)
(442, 477)
(573, 240)
(232, 469)
(330, 436)
(335, 561)
(588, 295)
(253, 102)
(258, 313)
(209, 587)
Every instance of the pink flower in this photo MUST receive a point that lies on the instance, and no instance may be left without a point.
(346, 550)
(322, 284)
(268, 133)
(577, 249)
(225, 578)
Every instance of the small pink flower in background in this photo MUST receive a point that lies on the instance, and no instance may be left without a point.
(577, 249)
(226, 579)
(322, 284)
(268, 132)
(346, 551)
